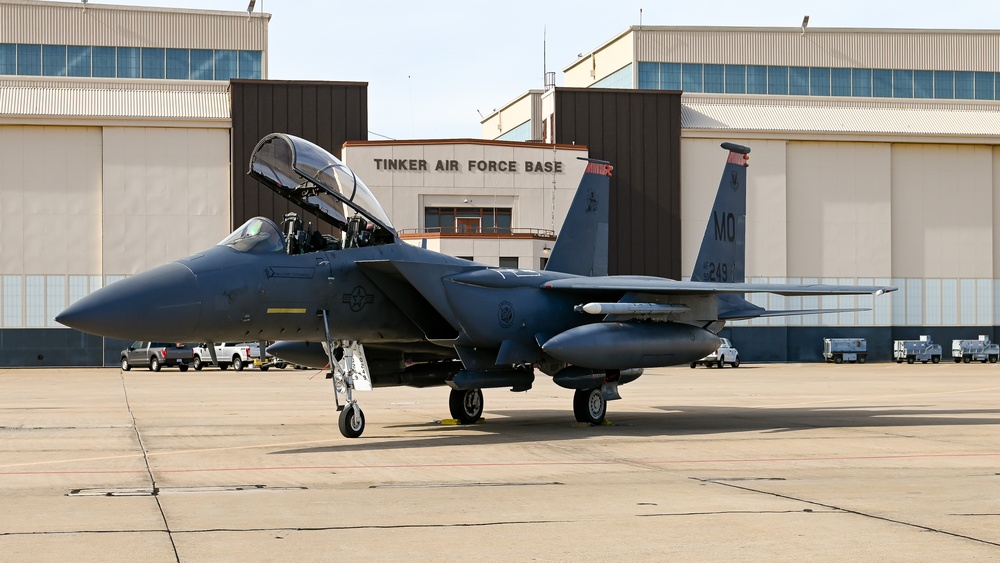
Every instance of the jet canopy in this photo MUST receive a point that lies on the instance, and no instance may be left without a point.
(311, 177)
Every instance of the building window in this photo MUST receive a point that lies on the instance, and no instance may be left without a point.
(202, 64)
(508, 262)
(861, 82)
(944, 84)
(225, 65)
(469, 220)
(756, 80)
(882, 83)
(78, 60)
(777, 80)
(691, 77)
(964, 86)
(923, 84)
(984, 85)
(29, 60)
(670, 76)
(250, 64)
(54, 60)
(8, 58)
(178, 64)
(840, 82)
(902, 84)
(798, 80)
(105, 62)
(129, 62)
(649, 76)
(819, 82)
(715, 79)
(736, 79)
(153, 64)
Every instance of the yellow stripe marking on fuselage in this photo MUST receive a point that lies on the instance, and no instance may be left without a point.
(285, 310)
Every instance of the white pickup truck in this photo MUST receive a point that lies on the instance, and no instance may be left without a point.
(724, 354)
(237, 354)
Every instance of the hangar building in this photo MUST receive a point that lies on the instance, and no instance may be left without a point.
(875, 160)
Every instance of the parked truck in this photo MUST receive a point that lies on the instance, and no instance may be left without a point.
(237, 354)
(840, 350)
(980, 349)
(922, 350)
(155, 355)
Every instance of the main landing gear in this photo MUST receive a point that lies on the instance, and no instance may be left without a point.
(590, 405)
(466, 406)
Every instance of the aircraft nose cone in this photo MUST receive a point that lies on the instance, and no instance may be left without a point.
(163, 304)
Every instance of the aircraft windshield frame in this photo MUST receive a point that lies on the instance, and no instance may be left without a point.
(257, 235)
(306, 174)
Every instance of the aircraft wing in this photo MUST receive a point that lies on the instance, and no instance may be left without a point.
(655, 285)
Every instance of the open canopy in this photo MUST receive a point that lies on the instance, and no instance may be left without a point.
(315, 179)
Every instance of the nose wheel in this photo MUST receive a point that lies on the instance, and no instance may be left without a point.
(352, 420)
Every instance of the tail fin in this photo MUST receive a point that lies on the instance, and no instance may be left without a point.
(722, 257)
(582, 245)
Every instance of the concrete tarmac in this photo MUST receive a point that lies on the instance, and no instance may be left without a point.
(769, 462)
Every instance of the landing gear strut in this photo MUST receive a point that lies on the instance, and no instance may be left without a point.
(349, 372)
(466, 406)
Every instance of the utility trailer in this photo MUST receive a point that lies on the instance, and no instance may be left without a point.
(840, 350)
(981, 350)
(922, 350)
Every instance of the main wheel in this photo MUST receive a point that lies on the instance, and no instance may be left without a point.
(466, 406)
(736, 362)
(352, 421)
(589, 405)
(223, 366)
(125, 365)
(197, 363)
(264, 367)
(154, 364)
(694, 365)
(182, 367)
(237, 363)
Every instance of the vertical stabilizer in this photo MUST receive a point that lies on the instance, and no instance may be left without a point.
(582, 245)
(722, 257)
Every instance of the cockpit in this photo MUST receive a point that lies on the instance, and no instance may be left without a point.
(317, 181)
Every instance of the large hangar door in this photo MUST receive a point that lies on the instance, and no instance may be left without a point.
(166, 195)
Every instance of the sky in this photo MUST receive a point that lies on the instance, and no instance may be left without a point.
(433, 67)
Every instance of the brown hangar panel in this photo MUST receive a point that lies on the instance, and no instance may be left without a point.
(639, 132)
(326, 113)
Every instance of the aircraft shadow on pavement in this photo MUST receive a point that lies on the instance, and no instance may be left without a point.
(525, 426)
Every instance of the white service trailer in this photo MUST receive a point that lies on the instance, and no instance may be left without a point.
(981, 350)
(922, 350)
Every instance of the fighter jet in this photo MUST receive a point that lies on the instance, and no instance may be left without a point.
(378, 311)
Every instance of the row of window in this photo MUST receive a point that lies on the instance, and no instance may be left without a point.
(467, 219)
(128, 62)
(819, 81)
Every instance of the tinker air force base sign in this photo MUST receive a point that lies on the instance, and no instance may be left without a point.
(421, 165)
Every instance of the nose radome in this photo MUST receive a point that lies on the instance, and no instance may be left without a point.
(163, 304)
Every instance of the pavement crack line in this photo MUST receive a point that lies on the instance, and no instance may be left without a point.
(149, 471)
(849, 511)
(297, 528)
